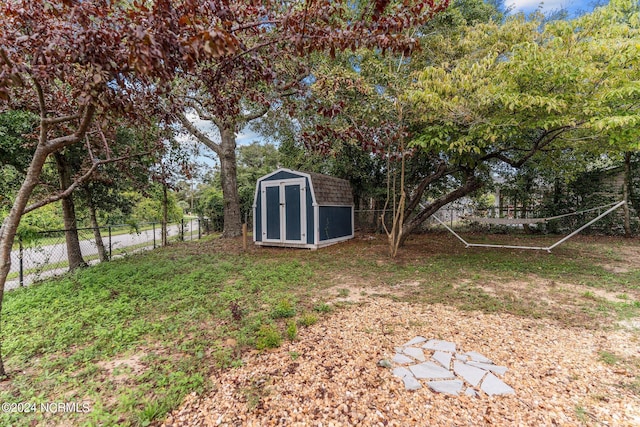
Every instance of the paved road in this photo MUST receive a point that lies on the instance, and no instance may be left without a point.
(39, 257)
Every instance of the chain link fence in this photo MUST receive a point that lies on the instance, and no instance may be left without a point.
(46, 255)
(461, 217)
(371, 220)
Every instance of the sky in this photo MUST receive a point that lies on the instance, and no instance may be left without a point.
(573, 6)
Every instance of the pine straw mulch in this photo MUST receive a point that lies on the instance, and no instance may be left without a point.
(329, 376)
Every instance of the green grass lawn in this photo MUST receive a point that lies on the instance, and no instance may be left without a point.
(131, 338)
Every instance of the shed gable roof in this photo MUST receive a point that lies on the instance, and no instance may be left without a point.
(330, 190)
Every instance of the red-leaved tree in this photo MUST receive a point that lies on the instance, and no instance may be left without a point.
(266, 60)
(79, 63)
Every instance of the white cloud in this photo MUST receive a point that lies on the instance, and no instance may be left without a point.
(247, 136)
(548, 5)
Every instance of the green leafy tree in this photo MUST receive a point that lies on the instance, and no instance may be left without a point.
(254, 160)
(519, 92)
(357, 103)
(16, 149)
(150, 209)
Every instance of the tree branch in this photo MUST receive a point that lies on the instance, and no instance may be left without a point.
(104, 142)
(86, 138)
(253, 25)
(417, 194)
(541, 142)
(247, 51)
(200, 136)
(204, 115)
(197, 105)
(472, 183)
(41, 102)
(62, 119)
(63, 141)
(261, 112)
(77, 182)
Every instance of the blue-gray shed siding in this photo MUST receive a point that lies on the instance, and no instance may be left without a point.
(258, 211)
(257, 217)
(282, 175)
(335, 221)
(273, 212)
(310, 217)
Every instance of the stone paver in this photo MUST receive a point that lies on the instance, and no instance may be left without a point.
(402, 359)
(494, 386)
(470, 392)
(447, 370)
(401, 372)
(477, 357)
(449, 387)
(443, 358)
(410, 382)
(440, 345)
(431, 371)
(500, 370)
(414, 341)
(471, 374)
(414, 352)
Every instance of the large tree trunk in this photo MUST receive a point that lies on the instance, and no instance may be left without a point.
(232, 216)
(11, 222)
(472, 184)
(74, 253)
(226, 151)
(102, 253)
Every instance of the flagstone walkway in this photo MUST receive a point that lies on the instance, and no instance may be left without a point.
(446, 369)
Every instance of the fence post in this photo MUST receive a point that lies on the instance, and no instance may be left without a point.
(191, 229)
(20, 257)
(154, 234)
(182, 229)
(110, 243)
(199, 232)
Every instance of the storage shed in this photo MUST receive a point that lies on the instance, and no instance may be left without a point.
(302, 210)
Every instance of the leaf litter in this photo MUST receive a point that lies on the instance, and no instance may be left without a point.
(335, 379)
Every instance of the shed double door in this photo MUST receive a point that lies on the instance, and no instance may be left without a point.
(284, 211)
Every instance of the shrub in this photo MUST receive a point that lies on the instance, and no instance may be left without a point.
(283, 309)
(308, 319)
(268, 337)
(292, 330)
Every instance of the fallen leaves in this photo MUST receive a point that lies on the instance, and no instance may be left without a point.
(335, 380)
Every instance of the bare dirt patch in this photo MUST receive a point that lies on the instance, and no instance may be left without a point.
(120, 370)
(351, 289)
(631, 324)
(556, 293)
(616, 255)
